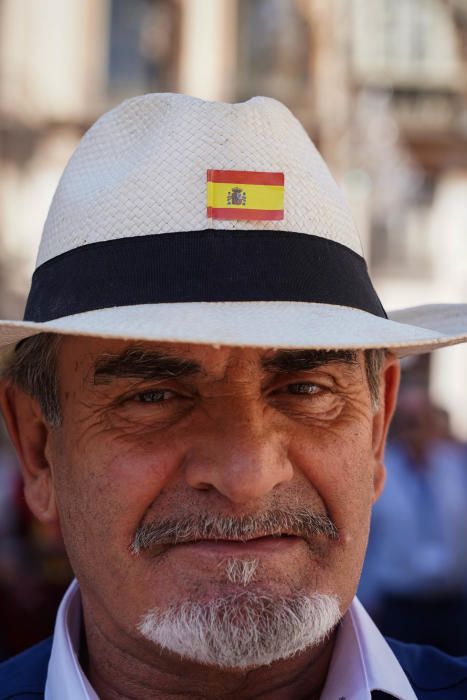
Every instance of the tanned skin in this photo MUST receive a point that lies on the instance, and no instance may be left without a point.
(163, 430)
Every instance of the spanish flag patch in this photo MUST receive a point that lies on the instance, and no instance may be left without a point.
(245, 194)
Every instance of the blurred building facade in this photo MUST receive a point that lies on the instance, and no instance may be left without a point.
(380, 85)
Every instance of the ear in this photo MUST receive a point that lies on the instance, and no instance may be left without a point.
(389, 386)
(30, 435)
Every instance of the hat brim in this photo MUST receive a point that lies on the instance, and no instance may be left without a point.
(261, 324)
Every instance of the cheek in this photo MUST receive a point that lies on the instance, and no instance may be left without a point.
(339, 465)
(104, 488)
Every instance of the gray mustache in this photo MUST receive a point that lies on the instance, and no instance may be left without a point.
(300, 523)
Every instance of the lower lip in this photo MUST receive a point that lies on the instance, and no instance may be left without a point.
(261, 545)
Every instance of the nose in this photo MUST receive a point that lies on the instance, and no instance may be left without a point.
(240, 457)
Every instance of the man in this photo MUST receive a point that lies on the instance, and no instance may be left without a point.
(200, 394)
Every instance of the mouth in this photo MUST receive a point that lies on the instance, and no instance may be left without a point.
(280, 542)
(279, 528)
(244, 540)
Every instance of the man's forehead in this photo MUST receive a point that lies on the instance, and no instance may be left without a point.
(101, 357)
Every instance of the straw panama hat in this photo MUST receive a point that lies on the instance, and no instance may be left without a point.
(183, 220)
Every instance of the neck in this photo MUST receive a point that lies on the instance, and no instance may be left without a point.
(131, 668)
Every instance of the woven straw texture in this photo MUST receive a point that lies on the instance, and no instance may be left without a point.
(141, 169)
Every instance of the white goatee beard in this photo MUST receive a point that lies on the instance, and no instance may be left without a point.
(242, 630)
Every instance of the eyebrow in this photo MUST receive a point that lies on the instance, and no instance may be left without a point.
(140, 363)
(301, 360)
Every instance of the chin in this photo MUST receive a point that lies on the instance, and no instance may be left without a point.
(244, 629)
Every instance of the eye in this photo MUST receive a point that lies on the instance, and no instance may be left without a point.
(304, 388)
(307, 400)
(154, 396)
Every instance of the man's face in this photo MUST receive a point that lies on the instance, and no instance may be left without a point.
(173, 434)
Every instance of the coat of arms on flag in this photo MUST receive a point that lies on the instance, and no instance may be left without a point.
(245, 194)
(236, 196)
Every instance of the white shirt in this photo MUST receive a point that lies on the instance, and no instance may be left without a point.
(362, 661)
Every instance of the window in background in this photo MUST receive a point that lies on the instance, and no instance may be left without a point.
(407, 43)
(400, 240)
(143, 47)
(273, 50)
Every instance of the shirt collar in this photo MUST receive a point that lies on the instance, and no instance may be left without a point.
(362, 660)
(65, 677)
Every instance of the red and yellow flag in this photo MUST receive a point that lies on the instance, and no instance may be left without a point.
(244, 194)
